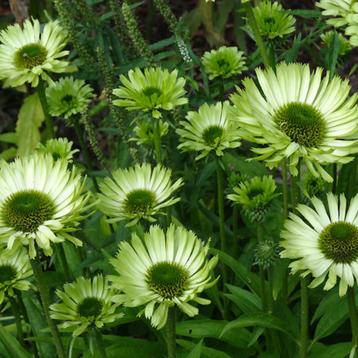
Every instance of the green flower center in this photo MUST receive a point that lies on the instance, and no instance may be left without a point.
(67, 99)
(212, 134)
(152, 91)
(223, 65)
(90, 307)
(30, 56)
(26, 210)
(254, 192)
(139, 201)
(339, 242)
(7, 273)
(302, 123)
(167, 279)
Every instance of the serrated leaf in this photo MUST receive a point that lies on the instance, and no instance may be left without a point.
(28, 123)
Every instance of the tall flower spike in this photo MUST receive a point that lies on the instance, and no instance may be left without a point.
(323, 241)
(293, 113)
(137, 193)
(41, 202)
(166, 269)
(86, 303)
(28, 53)
(153, 90)
(211, 128)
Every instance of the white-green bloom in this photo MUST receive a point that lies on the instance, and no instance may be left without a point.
(293, 113)
(15, 270)
(272, 20)
(137, 193)
(41, 202)
(224, 62)
(153, 90)
(30, 52)
(144, 131)
(59, 148)
(211, 128)
(86, 303)
(68, 96)
(165, 269)
(323, 241)
(352, 25)
(337, 10)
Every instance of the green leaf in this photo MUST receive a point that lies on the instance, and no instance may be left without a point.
(11, 345)
(206, 352)
(10, 137)
(339, 350)
(196, 351)
(29, 121)
(246, 301)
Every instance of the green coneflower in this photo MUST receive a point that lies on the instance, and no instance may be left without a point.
(313, 186)
(86, 303)
(337, 10)
(323, 241)
(153, 90)
(272, 20)
(166, 269)
(29, 52)
(344, 45)
(293, 113)
(352, 25)
(59, 148)
(145, 132)
(15, 269)
(68, 97)
(224, 62)
(211, 128)
(41, 201)
(137, 193)
(255, 196)
(266, 253)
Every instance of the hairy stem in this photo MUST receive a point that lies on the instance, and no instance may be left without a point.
(48, 120)
(170, 331)
(353, 316)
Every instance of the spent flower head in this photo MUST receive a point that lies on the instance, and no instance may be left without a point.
(323, 241)
(224, 62)
(86, 303)
(165, 269)
(211, 129)
(153, 90)
(30, 52)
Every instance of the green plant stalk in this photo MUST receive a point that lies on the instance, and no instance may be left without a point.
(235, 223)
(60, 252)
(45, 299)
(353, 314)
(99, 343)
(16, 311)
(170, 333)
(285, 215)
(256, 32)
(48, 120)
(304, 319)
(157, 141)
(353, 178)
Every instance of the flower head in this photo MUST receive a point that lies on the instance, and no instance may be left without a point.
(255, 196)
(224, 62)
(211, 128)
(86, 303)
(41, 201)
(137, 193)
(59, 148)
(323, 241)
(145, 132)
(272, 20)
(28, 53)
(165, 269)
(153, 90)
(68, 97)
(293, 113)
(15, 269)
(266, 253)
(343, 44)
(313, 186)
(337, 10)
(352, 25)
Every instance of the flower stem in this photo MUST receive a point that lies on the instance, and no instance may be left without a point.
(60, 252)
(42, 96)
(17, 317)
(99, 343)
(353, 316)
(157, 141)
(285, 215)
(304, 319)
(45, 299)
(170, 331)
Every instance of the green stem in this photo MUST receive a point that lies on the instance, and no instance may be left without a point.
(353, 178)
(170, 331)
(256, 32)
(304, 319)
(285, 215)
(334, 175)
(353, 316)
(42, 96)
(235, 222)
(99, 343)
(16, 311)
(59, 250)
(45, 299)
(157, 141)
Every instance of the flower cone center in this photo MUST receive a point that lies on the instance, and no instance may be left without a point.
(90, 307)
(152, 92)
(26, 210)
(167, 279)
(302, 123)
(139, 201)
(212, 134)
(7, 273)
(339, 242)
(30, 56)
